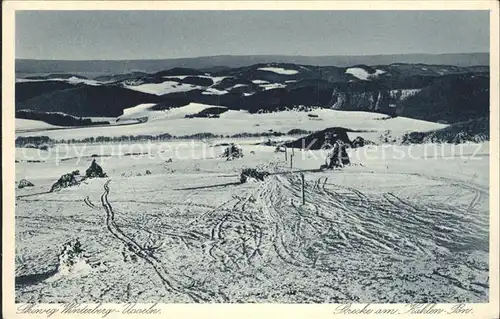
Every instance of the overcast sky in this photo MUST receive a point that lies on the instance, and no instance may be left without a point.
(93, 35)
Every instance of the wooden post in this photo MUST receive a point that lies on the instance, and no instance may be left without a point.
(303, 189)
(286, 158)
(291, 161)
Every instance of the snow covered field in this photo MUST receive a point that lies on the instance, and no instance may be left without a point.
(173, 223)
(362, 74)
(232, 122)
(71, 80)
(162, 88)
(388, 228)
(31, 125)
(279, 70)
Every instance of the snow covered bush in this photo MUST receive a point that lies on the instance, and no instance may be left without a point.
(71, 259)
(252, 174)
(25, 183)
(231, 152)
(67, 180)
(95, 170)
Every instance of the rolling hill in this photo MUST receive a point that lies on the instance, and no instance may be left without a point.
(85, 100)
(438, 93)
(104, 67)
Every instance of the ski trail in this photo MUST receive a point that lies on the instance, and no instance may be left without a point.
(364, 223)
(89, 203)
(268, 225)
(141, 252)
(475, 200)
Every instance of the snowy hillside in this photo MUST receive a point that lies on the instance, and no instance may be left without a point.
(409, 90)
(363, 74)
(161, 88)
(233, 122)
(380, 230)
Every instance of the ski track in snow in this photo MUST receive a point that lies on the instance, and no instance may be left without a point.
(140, 251)
(345, 244)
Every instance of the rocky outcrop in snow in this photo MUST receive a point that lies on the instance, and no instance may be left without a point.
(375, 100)
(25, 183)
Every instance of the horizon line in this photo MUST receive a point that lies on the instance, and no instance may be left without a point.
(250, 55)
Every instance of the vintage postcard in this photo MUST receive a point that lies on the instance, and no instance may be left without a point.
(250, 159)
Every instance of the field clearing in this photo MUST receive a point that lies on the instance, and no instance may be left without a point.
(234, 122)
(385, 229)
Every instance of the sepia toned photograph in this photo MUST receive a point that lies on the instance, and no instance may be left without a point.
(252, 156)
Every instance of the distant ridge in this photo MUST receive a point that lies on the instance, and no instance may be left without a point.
(435, 93)
(96, 67)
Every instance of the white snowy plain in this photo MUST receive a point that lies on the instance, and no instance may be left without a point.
(384, 229)
(172, 223)
(173, 121)
(279, 70)
(362, 74)
(163, 87)
(71, 80)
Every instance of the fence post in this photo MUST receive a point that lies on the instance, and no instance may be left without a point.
(286, 158)
(291, 162)
(303, 189)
